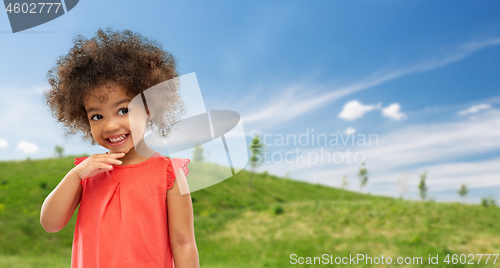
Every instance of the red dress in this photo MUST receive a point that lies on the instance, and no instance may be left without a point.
(122, 219)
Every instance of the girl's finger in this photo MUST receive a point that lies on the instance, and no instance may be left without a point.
(105, 166)
(114, 161)
(111, 155)
(116, 155)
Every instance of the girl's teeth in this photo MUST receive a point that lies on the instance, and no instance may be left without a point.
(119, 139)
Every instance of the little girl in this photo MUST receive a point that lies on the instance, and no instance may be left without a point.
(131, 212)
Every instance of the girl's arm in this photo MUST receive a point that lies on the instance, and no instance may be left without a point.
(181, 226)
(61, 203)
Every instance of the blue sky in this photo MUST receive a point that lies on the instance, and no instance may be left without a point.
(423, 76)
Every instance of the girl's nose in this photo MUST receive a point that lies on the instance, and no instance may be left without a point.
(111, 125)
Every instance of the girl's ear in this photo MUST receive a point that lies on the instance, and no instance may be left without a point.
(150, 118)
(151, 115)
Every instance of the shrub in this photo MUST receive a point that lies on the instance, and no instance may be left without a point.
(488, 201)
(278, 209)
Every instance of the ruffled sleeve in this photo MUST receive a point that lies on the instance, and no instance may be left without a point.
(176, 163)
(78, 160)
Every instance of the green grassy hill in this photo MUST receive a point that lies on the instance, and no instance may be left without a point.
(239, 226)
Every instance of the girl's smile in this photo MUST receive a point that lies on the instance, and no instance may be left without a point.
(117, 140)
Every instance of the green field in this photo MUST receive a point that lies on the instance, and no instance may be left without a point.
(261, 226)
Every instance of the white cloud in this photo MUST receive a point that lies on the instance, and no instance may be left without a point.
(475, 174)
(27, 147)
(25, 116)
(443, 149)
(474, 109)
(350, 130)
(354, 109)
(288, 106)
(426, 143)
(392, 111)
(3, 144)
(478, 45)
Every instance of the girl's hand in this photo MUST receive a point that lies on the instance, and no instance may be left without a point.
(97, 163)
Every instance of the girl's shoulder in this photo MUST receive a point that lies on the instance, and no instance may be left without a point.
(175, 164)
(78, 160)
(180, 163)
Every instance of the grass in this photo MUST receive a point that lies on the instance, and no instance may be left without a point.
(239, 226)
(383, 227)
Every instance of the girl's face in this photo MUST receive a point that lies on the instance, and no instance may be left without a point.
(110, 120)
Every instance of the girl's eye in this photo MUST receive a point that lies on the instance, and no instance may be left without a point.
(123, 111)
(96, 117)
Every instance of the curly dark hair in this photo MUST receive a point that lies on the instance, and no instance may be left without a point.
(128, 59)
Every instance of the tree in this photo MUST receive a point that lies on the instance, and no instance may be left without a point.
(198, 153)
(255, 155)
(345, 182)
(363, 176)
(59, 151)
(402, 183)
(488, 201)
(422, 187)
(463, 190)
